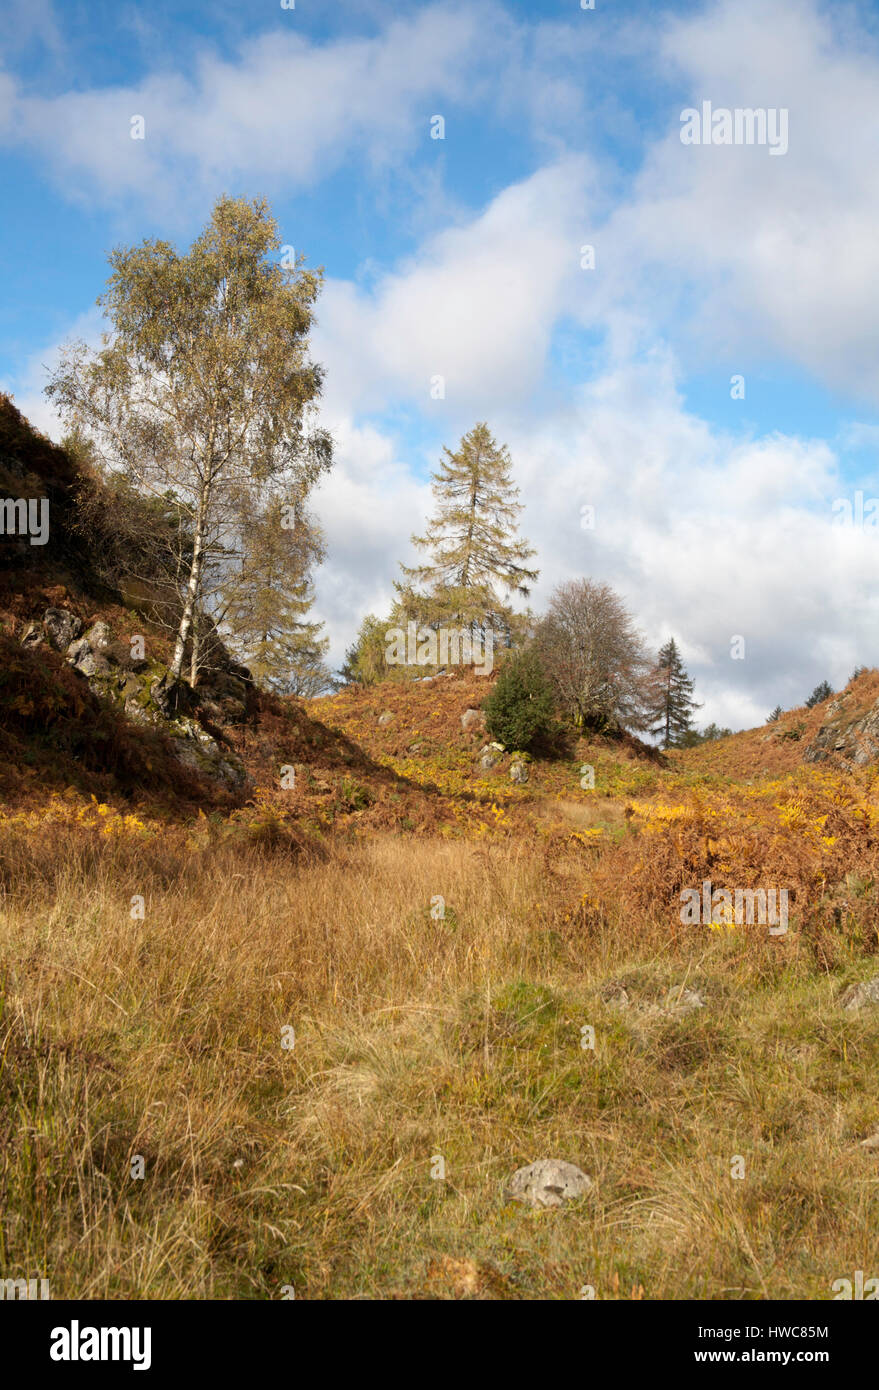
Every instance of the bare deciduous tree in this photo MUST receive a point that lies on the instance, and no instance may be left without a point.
(594, 655)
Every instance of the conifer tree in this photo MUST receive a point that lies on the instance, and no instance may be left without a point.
(477, 559)
(671, 705)
(268, 599)
(822, 691)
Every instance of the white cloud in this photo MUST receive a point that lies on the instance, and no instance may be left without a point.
(282, 113)
(706, 537)
(722, 251)
(476, 305)
(27, 386)
(367, 507)
(775, 252)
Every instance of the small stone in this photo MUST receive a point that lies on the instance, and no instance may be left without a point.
(519, 773)
(681, 1002)
(861, 996)
(872, 1143)
(33, 635)
(386, 718)
(614, 996)
(548, 1183)
(472, 719)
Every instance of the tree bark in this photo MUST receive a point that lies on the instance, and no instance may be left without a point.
(193, 587)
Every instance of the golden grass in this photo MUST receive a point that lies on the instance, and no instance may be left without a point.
(415, 1036)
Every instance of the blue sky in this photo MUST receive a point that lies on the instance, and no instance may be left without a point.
(461, 257)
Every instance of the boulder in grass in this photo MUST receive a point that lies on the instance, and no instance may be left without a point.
(549, 1182)
(472, 719)
(861, 996)
(680, 1002)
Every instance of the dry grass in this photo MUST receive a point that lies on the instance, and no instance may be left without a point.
(414, 1037)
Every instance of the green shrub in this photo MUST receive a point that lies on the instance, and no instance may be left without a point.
(520, 711)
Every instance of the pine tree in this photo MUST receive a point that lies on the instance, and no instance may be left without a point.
(822, 691)
(269, 598)
(775, 715)
(365, 662)
(672, 705)
(477, 560)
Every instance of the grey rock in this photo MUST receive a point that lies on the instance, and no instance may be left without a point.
(86, 661)
(852, 742)
(472, 719)
(98, 636)
(680, 1002)
(33, 635)
(61, 627)
(615, 997)
(519, 773)
(136, 712)
(386, 718)
(195, 748)
(861, 996)
(548, 1183)
(489, 756)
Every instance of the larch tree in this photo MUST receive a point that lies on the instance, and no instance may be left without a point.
(203, 392)
(267, 599)
(671, 700)
(477, 559)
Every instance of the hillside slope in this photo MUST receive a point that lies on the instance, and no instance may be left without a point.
(327, 1010)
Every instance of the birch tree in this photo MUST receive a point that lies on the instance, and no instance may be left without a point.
(203, 390)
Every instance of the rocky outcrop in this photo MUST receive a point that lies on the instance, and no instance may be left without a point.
(145, 694)
(848, 736)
